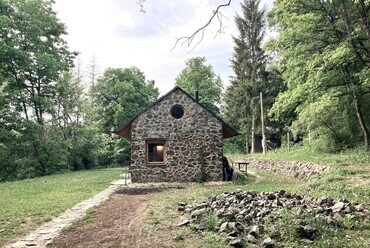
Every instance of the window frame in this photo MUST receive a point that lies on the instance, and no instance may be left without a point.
(159, 142)
(173, 109)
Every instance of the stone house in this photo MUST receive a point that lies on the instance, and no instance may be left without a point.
(174, 138)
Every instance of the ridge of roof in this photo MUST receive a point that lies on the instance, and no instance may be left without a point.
(117, 130)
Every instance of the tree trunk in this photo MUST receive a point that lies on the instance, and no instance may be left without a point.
(264, 147)
(25, 110)
(246, 143)
(253, 132)
(360, 118)
(356, 103)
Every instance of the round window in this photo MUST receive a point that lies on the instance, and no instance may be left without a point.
(177, 111)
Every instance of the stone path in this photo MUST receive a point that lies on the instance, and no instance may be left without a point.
(45, 234)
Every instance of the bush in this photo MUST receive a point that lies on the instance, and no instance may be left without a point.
(239, 178)
(201, 176)
(235, 145)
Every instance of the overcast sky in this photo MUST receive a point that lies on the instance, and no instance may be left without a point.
(121, 36)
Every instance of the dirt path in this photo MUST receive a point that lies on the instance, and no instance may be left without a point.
(117, 223)
(45, 234)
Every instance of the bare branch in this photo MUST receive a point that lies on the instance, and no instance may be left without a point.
(221, 28)
(188, 40)
(141, 4)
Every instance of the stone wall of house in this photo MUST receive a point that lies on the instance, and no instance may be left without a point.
(186, 139)
(297, 169)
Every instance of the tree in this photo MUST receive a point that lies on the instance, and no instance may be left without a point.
(198, 76)
(324, 48)
(32, 56)
(93, 71)
(248, 63)
(118, 96)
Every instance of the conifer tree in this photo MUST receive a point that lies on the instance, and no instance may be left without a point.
(249, 65)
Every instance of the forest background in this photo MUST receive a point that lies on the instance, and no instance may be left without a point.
(314, 76)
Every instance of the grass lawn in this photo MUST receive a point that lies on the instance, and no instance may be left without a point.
(26, 204)
(354, 157)
(349, 176)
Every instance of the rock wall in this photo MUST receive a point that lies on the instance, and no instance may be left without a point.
(297, 169)
(188, 140)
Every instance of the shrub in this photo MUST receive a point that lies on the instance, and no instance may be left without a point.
(239, 178)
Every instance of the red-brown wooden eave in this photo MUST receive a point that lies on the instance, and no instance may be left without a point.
(125, 131)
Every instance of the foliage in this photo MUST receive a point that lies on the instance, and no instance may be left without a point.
(324, 60)
(234, 145)
(117, 97)
(33, 55)
(198, 76)
(47, 123)
(241, 99)
(240, 178)
(20, 201)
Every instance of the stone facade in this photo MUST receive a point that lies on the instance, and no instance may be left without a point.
(195, 137)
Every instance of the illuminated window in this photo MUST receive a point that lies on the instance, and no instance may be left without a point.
(155, 152)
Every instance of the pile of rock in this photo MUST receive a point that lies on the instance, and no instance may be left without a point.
(248, 217)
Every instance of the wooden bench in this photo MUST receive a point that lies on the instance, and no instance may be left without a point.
(241, 165)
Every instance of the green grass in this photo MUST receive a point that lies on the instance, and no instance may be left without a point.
(326, 236)
(26, 204)
(356, 157)
(349, 176)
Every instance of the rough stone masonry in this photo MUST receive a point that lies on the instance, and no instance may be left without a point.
(303, 170)
(195, 137)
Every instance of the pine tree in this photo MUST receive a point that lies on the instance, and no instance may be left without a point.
(249, 65)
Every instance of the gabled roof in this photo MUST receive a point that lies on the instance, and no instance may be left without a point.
(125, 129)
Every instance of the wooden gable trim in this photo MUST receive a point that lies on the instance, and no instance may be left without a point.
(125, 130)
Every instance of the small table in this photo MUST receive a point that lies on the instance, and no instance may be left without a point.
(242, 162)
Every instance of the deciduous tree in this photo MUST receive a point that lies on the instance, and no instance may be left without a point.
(324, 48)
(197, 75)
(117, 97)
(33, 54)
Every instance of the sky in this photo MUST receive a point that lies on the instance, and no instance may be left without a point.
(119, 35)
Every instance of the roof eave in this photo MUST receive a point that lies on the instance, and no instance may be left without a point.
(228, 131)
(124, 130)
